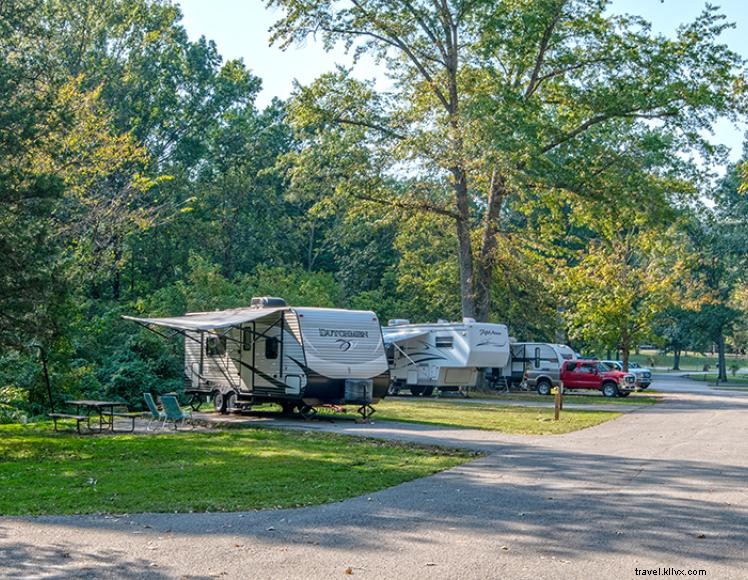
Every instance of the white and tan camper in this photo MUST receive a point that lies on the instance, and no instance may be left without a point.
(442, 355)
(298, 357)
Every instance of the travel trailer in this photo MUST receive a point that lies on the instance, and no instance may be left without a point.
(537, 363)
(271, 352)
(443, 355)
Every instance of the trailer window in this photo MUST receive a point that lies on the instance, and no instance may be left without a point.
(215, 346)
(271, 348)
(247, 338)
(444, 342)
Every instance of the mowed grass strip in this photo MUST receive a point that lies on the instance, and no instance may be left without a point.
(516, 420)
(632, 399)
(244, 469)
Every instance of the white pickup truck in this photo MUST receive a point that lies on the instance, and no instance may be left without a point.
(643, 375)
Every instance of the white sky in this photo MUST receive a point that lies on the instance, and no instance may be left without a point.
(240, 30)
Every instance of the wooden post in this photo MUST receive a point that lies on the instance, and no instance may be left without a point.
(557, 404)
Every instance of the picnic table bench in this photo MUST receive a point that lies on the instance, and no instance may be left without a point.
(104, 411)
(78, 420)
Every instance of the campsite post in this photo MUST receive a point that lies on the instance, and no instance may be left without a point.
(557, 403)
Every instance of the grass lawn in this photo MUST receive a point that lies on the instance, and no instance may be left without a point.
(632, 399)
(738, 381)
(42, 472)
(691, 361)
(519, 420)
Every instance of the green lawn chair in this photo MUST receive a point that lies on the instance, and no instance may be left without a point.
(173, 413)
(156, 415)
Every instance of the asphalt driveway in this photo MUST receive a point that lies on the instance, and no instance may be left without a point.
(664, 487)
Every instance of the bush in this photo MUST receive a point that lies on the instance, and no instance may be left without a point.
(12, 399)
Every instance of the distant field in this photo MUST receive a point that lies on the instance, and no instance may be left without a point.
(688, 362)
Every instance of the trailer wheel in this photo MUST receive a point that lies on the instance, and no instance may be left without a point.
(287, 408)
(307, 411)
(219, 402)
(417, 391)
(230, 402)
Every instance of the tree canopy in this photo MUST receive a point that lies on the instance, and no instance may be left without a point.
(540, 163)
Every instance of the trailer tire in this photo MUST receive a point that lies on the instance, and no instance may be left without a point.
(307, 411)
(287, 408)
(219, 402)
(230, 402)
(417, 391)
(544, 387)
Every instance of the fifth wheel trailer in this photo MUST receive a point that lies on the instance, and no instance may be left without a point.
(442, 355)
(270, 352)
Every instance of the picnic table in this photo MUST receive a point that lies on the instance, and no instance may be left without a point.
(86, 408)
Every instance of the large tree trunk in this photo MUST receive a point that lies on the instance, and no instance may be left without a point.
(467, 291)
(625, 347)
(676, 358)
(486, 263)
(721, 364)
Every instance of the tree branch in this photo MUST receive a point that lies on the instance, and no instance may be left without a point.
(413, 206)
(399, 43)
(430, 33)
(380, 128)
(544, 42)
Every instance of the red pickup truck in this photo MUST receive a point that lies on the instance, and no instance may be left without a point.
(592, 374)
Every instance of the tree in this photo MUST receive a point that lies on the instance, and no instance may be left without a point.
(619, 288)
(675, 325)
(719, 239)
(492, 99)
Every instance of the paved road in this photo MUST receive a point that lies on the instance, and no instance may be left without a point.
(662, 487)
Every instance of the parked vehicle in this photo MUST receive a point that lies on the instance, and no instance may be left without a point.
(592, 374)
(537, 363)
(643, 375)
(442, 355)
(271, 352)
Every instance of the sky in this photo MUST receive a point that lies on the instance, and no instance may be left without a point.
(240, 30)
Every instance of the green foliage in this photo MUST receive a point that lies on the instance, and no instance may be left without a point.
(11, 400)
(539, 172)
(495, 102)
(619, 287)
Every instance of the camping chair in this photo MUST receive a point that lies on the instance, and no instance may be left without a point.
(173, 413)
(156, 415)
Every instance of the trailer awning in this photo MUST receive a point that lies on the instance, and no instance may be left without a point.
(391, 337)
(210, 320)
